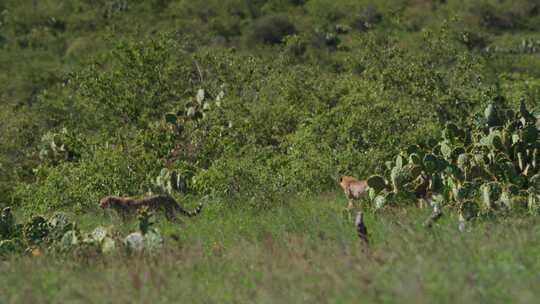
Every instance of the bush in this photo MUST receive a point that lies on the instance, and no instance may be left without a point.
(107, 169)
(252, 175)
(505, 15)
(135, 87)
(368, 18)
(235, 124)
(270, 29)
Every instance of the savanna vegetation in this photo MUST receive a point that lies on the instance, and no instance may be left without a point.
(256, 108)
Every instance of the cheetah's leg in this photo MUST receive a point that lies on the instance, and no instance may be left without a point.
(170, 213)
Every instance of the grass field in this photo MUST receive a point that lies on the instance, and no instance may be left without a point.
(303, 252)
(250, 105)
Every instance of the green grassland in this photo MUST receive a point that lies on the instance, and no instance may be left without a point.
(256, 108)
(304, 251)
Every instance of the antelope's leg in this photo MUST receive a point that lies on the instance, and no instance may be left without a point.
(350, 206)
(346, 213)
(347, 210)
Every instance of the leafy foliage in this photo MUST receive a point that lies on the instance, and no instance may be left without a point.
(247, 99)
(488, 165)
(58, 234)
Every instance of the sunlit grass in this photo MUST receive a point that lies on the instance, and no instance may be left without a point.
(305, 251)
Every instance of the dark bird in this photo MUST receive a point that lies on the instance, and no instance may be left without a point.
(361, 227)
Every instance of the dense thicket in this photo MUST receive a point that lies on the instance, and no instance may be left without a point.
(253, 98)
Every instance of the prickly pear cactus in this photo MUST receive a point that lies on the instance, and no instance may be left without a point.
(469, 209)
(451, 132)
(70, 239)
(534, 184)
(8, 227)
(134, 242)
(169, 181)
(58, 225)
(533, 203)
(153, 240)
(491, 192)
(59, 146)
(99, 234)
(430, 163)
(397, 179)
(377, 183)
(102, 240)
(36, 230)
(108, 245)
(12, 246)
(380, 201)
(148, 239)
(60, 235)
(490, 163)
(197, 108)
(414, 158)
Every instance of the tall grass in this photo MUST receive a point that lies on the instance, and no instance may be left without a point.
(305, 251)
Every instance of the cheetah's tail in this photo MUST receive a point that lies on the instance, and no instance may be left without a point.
(190, 213)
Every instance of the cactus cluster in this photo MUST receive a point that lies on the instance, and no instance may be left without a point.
(8, 227)
(492, 163)
(59, 146)
(170, 180)
(147, 238)
(195, 109)
(137, 242)
(58, 234)
(99, 241)
(37, 231)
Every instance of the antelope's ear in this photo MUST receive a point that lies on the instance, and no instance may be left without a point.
(341, 179)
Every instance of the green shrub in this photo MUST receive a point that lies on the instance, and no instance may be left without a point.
(368, 18)
(136, 88)
(213, 17)
(273, 119)
(252, 175)
(270, 29)
(500, 15)
(236, 125)
(108, 169)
